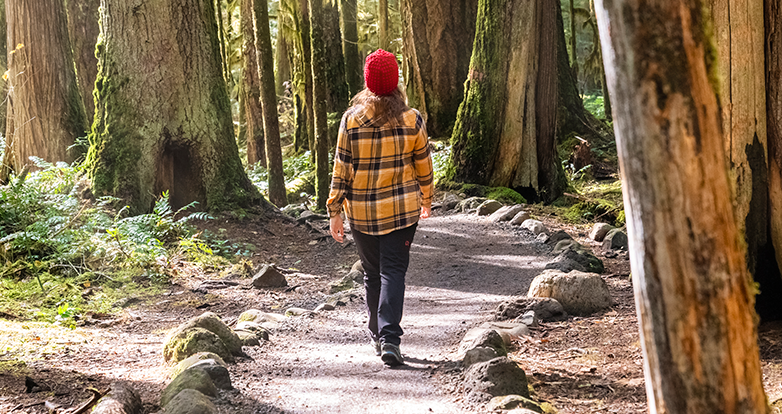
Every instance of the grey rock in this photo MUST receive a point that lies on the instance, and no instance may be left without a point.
(519, 218)
(574, 256)
(186, 342)
(357, 267)
(249, 338)
(529, 318)
(269, 277)
(579, 293)
(256, 328)
(488, 207)
(217, 372)
(122, 399)
(546, 309)
(542, 238)
(341, 285)
(195, 379)
(324, 307)
(557, 237)
(506, 213)
(259, 317)
(599, 231)
(450, 201)
(499, 376)
(195, 359)
(470, 204)
(294, 311)
(516, 403)
(616, 239)
(190, 401)
(477, 355)
(212, 323)
(535, 226)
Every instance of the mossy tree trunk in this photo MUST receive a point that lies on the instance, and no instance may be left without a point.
(692, 288)
(505, 121)
(223, 43)
(305, 79)
(573, 38)
(83, 30)
(164, 117)
(282, 64)
(320, 97)
(771, 289)
(353, 75)
(438, 38)
(3, 85)
(271, 121)
(250, 91)
(45, 109)
(382, 25)
(337, 88)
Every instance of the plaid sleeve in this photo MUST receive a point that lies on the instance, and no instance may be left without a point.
(423, 162)
(342, 176)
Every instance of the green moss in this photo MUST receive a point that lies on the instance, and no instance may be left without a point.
(505, 195)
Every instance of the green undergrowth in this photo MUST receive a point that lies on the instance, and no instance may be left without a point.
(63, 256)
(589, 201)
(299, 177)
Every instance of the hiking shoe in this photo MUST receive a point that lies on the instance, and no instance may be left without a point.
(391, 355)
(376, 345)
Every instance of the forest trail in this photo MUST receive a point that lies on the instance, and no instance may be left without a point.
(461, 267)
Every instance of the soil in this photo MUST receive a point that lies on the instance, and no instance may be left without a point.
(462, 266)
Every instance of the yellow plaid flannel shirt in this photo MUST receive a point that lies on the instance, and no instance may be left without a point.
(382, 173)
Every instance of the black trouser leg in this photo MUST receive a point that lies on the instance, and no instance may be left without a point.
(385, 259)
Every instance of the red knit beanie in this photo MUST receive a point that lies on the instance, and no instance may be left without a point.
(381, 73)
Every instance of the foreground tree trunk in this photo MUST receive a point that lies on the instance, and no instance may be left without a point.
(271, 121)
(45, 110)
(767, 301)
(251, 91)
(438, 39)
(353, 74)
(320, 96)
(83, 30)
(165, 126)
(510, 90)
(692, 288)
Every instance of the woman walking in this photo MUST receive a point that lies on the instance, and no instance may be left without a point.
(383, 177)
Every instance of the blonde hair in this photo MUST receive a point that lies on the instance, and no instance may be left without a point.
(383, 107)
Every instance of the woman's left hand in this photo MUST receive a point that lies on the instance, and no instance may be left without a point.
(426, 212)
(337, 228)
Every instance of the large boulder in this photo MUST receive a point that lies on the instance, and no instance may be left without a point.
(190, 401)
(269, 277)
(212, 323)
(499, 376)
(579, 293)
(186, 342)
(194, 379)
(599, 231)
(546, 309)
(121, 399)
(488, 207)
(506, 213)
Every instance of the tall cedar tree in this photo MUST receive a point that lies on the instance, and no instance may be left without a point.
(271, 121)
(692, 288)
(355, 78)
(162, 109)
(45, 110)
(320, 96)
(505, 131)
(83, 30)
(438, 38)
(251, 92)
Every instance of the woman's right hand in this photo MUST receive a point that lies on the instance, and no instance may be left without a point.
(337, 228)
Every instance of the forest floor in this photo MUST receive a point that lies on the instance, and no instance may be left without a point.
(462, 267)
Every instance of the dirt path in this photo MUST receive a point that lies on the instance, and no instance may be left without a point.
(461, 268)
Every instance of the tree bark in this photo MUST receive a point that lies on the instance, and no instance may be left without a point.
(692, 288)
(45, 110)
(271, 121)
(165, 125)
(438, 38)
(306, 67)
(251, 91)
(320, 96)
(3, 87)
(382, 25)
(337, 87)
(282, 72)
(83, 30)
(353, 74)
(573, 41)
(223, 43)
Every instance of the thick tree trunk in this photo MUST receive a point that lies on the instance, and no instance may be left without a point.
(382, 25)
(251, 91)
(306, 66)
(45, 110)
(353, 73)
(320, 96)
(510, 89)
(271, 120)
(83, 30)
(438, 39)
(692, 288)
(337, 87)
(166, 125)
(282, 63)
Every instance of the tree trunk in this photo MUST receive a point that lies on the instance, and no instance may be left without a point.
(223, 43)
(306, 57)
(271, 120)
(738, 26)
(337, 87)
(3, 87)
(353, 74)
(382, 25)
(320, 96)
(83, 30)
(167, 125)
(573, 39)
(438, 39)
(282, 64)
(692, 288)
(251, 91)
(45, 110)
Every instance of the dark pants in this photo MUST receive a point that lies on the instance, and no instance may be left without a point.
(385, 259)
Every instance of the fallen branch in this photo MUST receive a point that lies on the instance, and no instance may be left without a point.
(96, 396)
